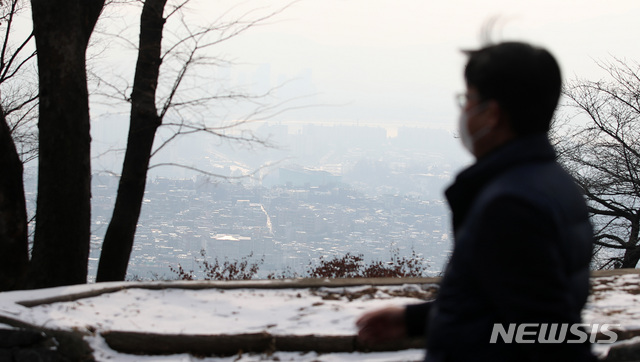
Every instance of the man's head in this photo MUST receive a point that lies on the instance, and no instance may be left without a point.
(512, 91)
(524, 80)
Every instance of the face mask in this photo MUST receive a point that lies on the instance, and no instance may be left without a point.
(467, 139)
(463, 131)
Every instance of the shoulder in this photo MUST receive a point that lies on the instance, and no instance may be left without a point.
(545, 186)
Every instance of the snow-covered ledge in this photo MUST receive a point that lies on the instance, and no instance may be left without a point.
(116, 320)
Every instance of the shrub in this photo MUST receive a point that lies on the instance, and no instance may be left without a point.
(352, 266)
(346, 266)
(227, 270)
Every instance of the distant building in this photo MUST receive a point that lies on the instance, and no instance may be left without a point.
(305, 177)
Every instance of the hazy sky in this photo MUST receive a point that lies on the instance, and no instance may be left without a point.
(391, 62)
(399, 60)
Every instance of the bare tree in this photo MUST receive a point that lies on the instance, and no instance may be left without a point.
(16, 111)
(62, 30)
(144, 121)
(13, 214)
(601, 148)
(185, 53)
(61, 244)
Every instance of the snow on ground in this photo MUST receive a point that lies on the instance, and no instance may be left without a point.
(215, 311)
(615, 300)
(305, 311)
(317, 311)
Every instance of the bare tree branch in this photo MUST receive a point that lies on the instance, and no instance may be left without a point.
(602, 151)
(19, 94)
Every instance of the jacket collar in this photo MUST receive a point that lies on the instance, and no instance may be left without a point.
(469, 182)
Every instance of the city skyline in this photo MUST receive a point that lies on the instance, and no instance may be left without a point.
(360, 193)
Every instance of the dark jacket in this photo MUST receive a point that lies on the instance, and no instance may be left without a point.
(522, 250)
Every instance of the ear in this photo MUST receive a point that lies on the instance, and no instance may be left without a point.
(494, 114)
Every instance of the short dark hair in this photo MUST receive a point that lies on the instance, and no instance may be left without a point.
(523, 79)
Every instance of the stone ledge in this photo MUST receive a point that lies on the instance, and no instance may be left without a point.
(263, 284)
(613, 272)
(40, 345)
(235, 284)
(228, 345)
(627, 352)
(71, 342)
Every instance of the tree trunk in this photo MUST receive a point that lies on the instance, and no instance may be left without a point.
(632, 254)
(631, 257)
(144, 121)
(14, 248)
(61, 245)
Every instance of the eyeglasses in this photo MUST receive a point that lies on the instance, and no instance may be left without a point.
(463, 98)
